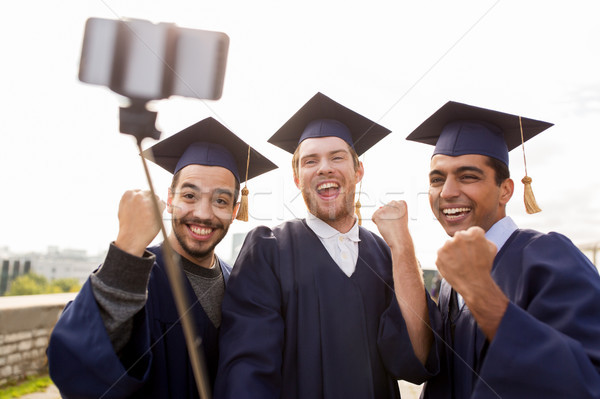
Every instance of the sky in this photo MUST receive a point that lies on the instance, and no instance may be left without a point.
(64, 165)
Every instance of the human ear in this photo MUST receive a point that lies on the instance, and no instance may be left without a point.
(360, 172)
(507, 187)
(236, 208)
(169, 201)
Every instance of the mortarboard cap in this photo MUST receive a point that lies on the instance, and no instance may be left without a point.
(323, 117)
(209, 143)
(459, 129)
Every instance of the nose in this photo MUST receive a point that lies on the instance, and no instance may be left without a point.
(449, 189)
(325, 167)
(203, 209)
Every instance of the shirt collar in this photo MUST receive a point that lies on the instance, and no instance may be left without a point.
(501, 231)
(324, 231)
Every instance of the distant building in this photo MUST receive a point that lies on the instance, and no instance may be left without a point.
(65, 263)
(11, 269)
(54, 264)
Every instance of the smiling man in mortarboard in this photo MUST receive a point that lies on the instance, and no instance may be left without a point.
(520, 310)
(121, 337)
(310, 311)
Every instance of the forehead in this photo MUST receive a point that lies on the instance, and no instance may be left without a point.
(209, 177)
(449, 163)
(321, 145)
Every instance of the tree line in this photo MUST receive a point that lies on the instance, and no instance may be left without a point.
(35, 284)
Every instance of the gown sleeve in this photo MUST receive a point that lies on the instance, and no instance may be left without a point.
(396, 350)
(82, 359)
(548, 342)
(252, 329)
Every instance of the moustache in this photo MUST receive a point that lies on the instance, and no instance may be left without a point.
(202, 222)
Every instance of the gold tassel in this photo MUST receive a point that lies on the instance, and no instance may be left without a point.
(243, 211)
(357, 205)
(531, 205)
(357, 211)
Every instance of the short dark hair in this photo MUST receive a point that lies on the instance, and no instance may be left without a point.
(500, 169)
(236, 192)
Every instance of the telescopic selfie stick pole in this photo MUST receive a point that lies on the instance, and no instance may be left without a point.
(138, 121)
(143, 61)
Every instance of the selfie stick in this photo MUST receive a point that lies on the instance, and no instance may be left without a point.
(143, 61)
(138, 121)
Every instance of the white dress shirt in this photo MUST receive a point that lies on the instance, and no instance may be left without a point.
(501, 231)
(343, 248)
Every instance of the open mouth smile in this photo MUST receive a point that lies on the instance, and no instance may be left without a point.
(456, 213)
(328, 190)
(200, 232)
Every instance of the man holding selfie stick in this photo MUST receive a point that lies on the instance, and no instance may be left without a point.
(131, 328)
(121, 336)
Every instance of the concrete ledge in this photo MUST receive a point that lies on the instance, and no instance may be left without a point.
(30, 312)
(25, 325)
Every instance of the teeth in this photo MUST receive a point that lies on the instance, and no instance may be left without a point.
(327, 185)
(203, 231)
(452, 211)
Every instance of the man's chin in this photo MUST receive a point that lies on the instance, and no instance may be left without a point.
(197, 250)
(328, 214)
(198, 253)
(451, 230)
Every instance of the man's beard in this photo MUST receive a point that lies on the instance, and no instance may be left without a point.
(198, 253)
(333, 212)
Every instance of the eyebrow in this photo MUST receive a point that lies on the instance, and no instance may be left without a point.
(191, 186)
(462, 169)
(224, 191)
(329, 153)
(470, 169)
(218, 191)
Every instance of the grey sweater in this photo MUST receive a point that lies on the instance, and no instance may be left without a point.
(120, 288)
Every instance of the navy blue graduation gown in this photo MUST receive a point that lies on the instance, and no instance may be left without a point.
(548, 342)
(154, 364)
(295, 326)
